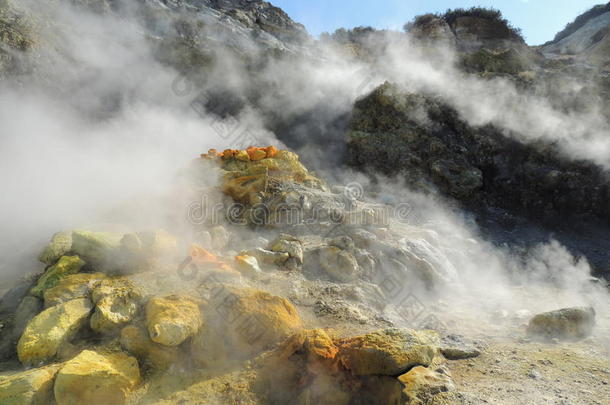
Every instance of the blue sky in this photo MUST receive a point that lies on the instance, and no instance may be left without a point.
(540, 20)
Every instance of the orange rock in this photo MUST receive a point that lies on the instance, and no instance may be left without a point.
(318, 343)
(202, 256)
(271, 151)
(256, 154)
(228, 153)
(251, 150)
(212, 154)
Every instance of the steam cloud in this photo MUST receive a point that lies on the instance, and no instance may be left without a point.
(98, 124)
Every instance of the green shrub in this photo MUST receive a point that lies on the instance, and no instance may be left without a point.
(451, 16)
(353, 35)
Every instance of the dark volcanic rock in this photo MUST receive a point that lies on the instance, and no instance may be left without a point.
(261, 14)
(425, 141)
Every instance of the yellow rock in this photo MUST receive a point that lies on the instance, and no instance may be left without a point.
(388, 352)
(65, 266)
(241, 323)
(422, 383)
(32, 387)
(172, 319)
(319, 344)
(93, 378)
(248, 266)
(245, 187)
(52, 328)
(246, 177)
(135, 340)
(72, 287)
(242, 155)
(117, 302)
(60, 244)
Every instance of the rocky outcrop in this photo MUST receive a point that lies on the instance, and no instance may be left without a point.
(423, 140)
(261, 15)
(587, 38)
(225, 323)
(432, 30)
(17, 37)
(469, 30)
(97, 378)
(389, 352)
(265, 180)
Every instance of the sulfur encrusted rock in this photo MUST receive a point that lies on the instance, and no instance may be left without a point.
(52, 328)
(248, 266)
(32, 387)
(291, 245)
(319, 345)
(72, 287)
(241, 323)
(246, 180)
(60, 244)
(339, 264)
(266, 256)
(65, 266)
(117, 302)
(388, 352)
(97, 378)
(421, 384)
(172, 319)
(136, 341)
(97, 248)
(567, 323)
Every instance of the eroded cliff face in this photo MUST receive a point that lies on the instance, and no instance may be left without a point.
(585, 39)
(427, 138)
(426, 141)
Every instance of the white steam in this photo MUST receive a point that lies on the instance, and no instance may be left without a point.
(102, 125)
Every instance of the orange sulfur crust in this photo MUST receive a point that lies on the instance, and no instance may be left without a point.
(253, 154)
